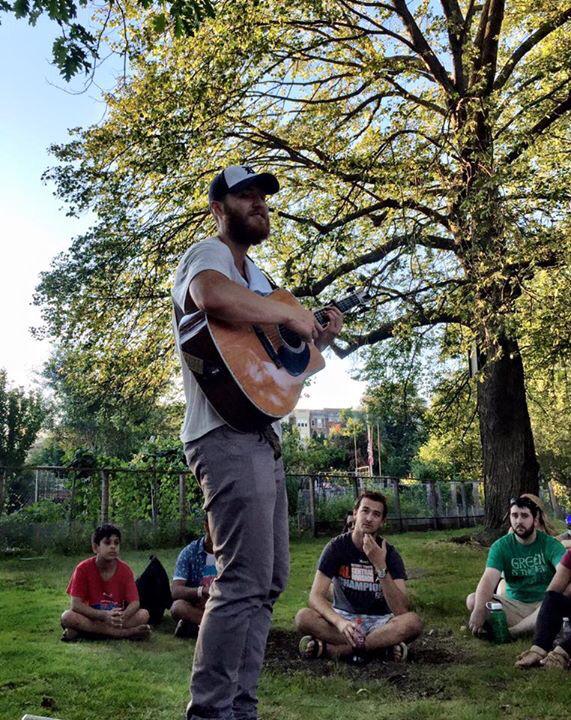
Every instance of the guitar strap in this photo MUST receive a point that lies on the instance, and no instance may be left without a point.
(268, 277)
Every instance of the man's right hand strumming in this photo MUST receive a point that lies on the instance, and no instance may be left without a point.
(303, 322)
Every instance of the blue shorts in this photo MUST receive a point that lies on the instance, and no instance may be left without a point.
(368, 623)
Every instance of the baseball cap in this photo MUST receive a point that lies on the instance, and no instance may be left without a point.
(237, 177)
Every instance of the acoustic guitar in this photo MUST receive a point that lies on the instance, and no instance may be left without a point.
(252, 375)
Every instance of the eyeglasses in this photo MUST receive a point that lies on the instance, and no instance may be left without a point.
(524, 502)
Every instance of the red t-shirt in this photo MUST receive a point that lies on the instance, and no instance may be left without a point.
(87, 584)
(566, 560)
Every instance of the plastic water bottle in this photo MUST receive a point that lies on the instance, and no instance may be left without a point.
(358, 656)
(498, 623)
(360, 633)
(565, 633)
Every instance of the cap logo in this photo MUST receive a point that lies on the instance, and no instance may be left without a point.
(249, 169)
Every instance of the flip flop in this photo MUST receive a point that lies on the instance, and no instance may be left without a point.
(311, 647)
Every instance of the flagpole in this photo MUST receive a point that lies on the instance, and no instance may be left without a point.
(355, 448)
(379, 447)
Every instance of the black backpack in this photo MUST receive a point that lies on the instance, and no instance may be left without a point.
(154, 590)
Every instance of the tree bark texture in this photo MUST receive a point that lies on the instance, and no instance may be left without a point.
(509, 462)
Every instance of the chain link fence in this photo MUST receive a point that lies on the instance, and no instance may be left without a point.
(58, 507)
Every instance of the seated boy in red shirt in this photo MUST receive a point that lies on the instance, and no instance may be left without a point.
(104, 597)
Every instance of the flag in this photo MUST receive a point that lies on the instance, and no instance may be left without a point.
(370, 457)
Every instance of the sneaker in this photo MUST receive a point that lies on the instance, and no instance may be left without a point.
(185, 629)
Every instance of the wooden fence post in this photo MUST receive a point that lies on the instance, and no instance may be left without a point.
(182, 506)
(104, 496)
(476, 506)
(396, 490)
(312, 505)
(464, 503)
(3, 473)
(433, 503)
(553, 498)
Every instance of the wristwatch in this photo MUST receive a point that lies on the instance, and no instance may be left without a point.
(380, 574)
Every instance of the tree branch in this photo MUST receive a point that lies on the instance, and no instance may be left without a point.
(455, 27)
(385, 204)
(487, 41)
(422, 47)
(430, 241)
(539, 127)
(546, 29)
(387, 330)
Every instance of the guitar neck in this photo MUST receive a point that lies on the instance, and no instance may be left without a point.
(343, 305)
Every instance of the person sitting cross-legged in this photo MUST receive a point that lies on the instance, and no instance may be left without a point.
(527, 557)
(104, 596)
(556, 605)
(194, 572)
(370, 610)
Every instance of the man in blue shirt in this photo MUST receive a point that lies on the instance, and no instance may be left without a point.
(194, 572)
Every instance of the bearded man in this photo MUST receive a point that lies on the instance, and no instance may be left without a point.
(241, 475)
(527, 558)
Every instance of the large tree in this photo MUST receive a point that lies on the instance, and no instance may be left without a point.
(422, 152)
(21, 417)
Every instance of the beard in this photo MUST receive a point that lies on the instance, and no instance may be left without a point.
(246, 230)
(522, 532)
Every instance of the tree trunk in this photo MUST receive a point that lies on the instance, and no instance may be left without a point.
(510, 464)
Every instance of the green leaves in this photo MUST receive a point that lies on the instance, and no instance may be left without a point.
(21, 417)
(77, 49)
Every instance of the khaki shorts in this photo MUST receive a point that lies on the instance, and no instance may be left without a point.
(515, 610)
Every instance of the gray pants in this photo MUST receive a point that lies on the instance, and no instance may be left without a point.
(245, 498)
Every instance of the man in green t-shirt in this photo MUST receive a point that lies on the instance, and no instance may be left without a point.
(527, 558)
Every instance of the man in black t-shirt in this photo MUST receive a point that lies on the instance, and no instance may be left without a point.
(370, 609)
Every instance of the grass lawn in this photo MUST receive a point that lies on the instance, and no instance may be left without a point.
(450, 675)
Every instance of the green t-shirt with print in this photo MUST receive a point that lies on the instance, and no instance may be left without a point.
(528, 569)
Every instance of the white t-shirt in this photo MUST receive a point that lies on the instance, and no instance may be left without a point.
(209, 254)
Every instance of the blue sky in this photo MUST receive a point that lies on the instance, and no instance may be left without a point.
(37, 108)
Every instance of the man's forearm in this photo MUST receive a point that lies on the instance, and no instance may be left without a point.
(89, 612)
(182, 592)
(324, 608)
(484, 593)
(229, 301)
(396, 599)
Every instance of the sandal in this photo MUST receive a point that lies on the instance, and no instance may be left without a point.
(531, 658)
(311, 647)
(557, 658)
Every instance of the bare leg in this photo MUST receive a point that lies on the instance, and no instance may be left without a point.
(525, 626)
(309, 622)
(183, 610)
(471, 601)
(135, 627)
(401, 628)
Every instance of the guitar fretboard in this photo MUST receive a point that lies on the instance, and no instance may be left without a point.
(343, 305)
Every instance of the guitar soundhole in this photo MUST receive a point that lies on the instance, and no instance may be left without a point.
(291, 339)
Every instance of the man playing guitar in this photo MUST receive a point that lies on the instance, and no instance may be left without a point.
(241, 474)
